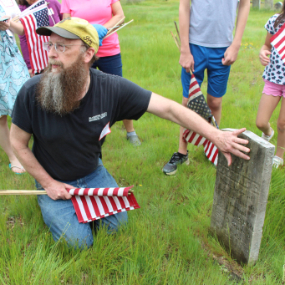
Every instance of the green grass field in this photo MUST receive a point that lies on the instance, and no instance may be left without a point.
(167, 240)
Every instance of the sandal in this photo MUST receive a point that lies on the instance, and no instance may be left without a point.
(266, 137)
(19, 173)
(277, 161)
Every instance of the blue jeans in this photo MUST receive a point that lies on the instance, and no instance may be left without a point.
(60, 216)
(110, 64)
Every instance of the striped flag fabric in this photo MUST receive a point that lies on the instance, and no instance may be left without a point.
(211, 151)
(91, 204)
(197, 103)
(278, 41)
(35, 17)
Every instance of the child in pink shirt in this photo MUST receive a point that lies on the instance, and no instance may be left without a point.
(95, 12)
(106, 13)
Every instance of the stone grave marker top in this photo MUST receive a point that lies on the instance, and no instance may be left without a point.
(240, 199)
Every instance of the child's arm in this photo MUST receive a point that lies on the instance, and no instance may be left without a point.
(12, 26)
(186, 59)
(231, 53)
(265, 50)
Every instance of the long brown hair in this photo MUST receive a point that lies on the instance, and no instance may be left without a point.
(23, 2)
(281, 17)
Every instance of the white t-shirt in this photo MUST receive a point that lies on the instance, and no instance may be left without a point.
(212, 22)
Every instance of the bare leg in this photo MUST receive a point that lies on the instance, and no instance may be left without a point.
(129, 125)
(182, 144)
(281, 131)
(5, 144)
(215, 104)
(266, 107)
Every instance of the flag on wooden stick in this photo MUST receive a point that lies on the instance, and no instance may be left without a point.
(278, 41)
(32, 18)
(197, 103)
(95, 203)
(91, 204)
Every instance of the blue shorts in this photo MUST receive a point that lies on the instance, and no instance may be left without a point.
(218, 74)
(110, 64)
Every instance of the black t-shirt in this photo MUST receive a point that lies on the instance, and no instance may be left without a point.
(68, 147)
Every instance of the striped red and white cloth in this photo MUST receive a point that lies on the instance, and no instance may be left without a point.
(35, 17)
(211, 151)
(91, 204)
(278, 41)
(194, 88)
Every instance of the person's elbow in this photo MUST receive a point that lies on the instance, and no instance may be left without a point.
(19, 139)
(121, 15)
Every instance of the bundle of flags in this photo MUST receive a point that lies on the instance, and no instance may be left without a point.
(278, 41)
(95, 203)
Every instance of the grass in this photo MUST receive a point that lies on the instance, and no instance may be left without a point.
(167, 240)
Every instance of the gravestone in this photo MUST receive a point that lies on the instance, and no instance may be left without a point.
(278, 6)
(256, 4)
(240, 199)
(268, 4)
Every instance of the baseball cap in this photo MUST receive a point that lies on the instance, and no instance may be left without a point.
(73, 28)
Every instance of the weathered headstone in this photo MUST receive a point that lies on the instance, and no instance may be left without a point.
(256, 4)
(240, 199)
(278, 6)
(268, 4)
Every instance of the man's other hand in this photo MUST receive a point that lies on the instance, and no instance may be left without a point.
(57, 190)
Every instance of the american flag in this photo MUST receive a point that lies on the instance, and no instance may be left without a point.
(36, 17)
(278, 41)
(91, 204)
(211, 151)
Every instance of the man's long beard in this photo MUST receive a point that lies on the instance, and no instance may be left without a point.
(60, 92)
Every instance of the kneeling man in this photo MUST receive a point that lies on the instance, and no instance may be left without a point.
(66, 109)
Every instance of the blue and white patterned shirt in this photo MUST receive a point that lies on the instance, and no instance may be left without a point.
(275, 70)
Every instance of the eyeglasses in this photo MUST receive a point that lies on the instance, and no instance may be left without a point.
(60, 48)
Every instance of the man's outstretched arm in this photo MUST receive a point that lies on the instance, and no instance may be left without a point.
(20, 144)
(227, 142)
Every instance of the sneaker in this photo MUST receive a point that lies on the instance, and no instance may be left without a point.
(266, 137)
(170, 167)
(134, 140)
(277, 161)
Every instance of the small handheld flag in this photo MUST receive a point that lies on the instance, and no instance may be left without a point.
(91, 204)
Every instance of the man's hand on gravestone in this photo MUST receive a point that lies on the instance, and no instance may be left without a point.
(57, 190)
(228, 142)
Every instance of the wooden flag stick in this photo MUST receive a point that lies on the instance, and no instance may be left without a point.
(16, 19)
(32, 192)
(119, 22)
(23, 192)
(175, 40)
(177, 30)
(117, 29)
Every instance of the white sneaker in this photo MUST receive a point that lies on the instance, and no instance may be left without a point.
(266, 137)
(277, 161)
